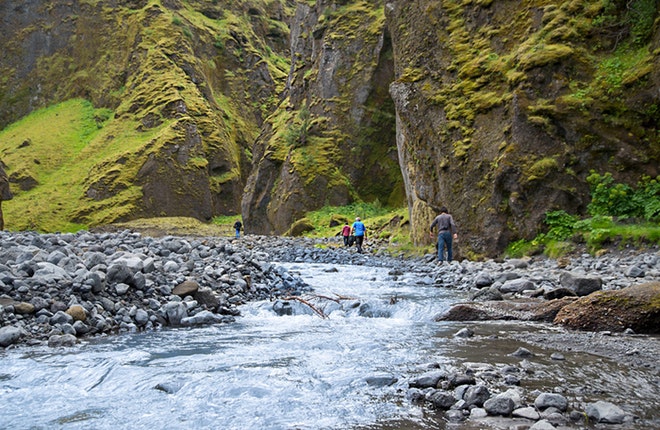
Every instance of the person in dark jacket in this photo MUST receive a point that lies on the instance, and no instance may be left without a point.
(237, 228)
(5, 192)
(447, 231)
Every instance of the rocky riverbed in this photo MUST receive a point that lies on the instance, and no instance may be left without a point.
(57, 289)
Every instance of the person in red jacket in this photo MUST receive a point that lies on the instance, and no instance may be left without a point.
(346, 232)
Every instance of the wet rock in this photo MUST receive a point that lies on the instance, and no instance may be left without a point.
(441, 400)
(381, 381)
(175, 312)
(523, 310)
(464, 333)
(170, 387)
(428, 380)
(522, 352)
(62, 340)
(282, 308)
(458, 379)
(9, 335)
(202, 318)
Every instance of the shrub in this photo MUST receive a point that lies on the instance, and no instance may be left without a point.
(621, 200)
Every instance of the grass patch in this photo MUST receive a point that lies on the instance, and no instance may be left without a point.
(390, 227)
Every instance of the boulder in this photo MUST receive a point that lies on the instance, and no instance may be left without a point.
(77, 312)
(581, 285)
(24, 308)
(522, 310)
(636, 307)
(517, 286)
(551, 400)
(186, 288)
(442, 400)
(62, 340)
(499, 405)
(605, 412)
(9, 335)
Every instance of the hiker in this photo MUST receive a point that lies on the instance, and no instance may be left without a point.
(346, 232)
(360, 232)
(5, 193)
(237, 228)
(447, 231)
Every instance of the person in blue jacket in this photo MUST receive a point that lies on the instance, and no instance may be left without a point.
(360, 232)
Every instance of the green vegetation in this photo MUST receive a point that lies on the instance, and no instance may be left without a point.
(49, 156)
(620, 215)
(389, 225)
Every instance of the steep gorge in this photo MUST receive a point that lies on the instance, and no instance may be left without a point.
(272, 108)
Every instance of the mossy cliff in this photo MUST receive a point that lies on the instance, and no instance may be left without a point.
(115, 110)
(503, 107)
(171, 95)
(332, 139)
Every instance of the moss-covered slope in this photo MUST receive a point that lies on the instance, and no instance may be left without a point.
(152, 106)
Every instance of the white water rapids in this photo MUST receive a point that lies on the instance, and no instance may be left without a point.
(347, 371)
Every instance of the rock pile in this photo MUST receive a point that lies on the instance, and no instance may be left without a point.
(478, 391)
(56, 288)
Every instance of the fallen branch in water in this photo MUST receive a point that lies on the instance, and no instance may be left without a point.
(305, 302)
(318, 311)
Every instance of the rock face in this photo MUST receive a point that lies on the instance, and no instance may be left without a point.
(636, 307)
(498, 110)
(489, 119)
(333, 139)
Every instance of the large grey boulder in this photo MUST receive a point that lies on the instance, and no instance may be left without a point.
(605, 412)
(551, 400)
(9, 335)
(580, 284)
(517, 286)
(499, 405)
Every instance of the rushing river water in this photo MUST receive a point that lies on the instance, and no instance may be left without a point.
(265, 371)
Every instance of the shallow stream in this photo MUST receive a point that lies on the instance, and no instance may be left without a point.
(297, 371)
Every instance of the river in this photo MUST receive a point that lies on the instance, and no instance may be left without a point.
(265, 371)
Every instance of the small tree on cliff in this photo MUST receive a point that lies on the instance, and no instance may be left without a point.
(297, 131)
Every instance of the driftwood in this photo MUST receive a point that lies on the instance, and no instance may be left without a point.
(316, 310)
